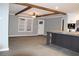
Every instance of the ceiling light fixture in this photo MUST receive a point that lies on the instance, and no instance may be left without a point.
(34, 15)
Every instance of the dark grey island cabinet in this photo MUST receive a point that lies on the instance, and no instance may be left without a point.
(67, 41)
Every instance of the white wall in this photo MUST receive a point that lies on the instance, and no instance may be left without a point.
(72, 17)
(4, 26)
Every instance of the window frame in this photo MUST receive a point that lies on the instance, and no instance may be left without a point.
(25, 24)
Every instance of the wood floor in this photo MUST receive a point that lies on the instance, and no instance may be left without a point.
(35, 46)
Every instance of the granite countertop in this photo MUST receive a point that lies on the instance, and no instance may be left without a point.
(67, 33)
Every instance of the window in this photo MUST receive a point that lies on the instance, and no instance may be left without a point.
(29, 25)
(41, 22)
(21, 24)
(25, 24)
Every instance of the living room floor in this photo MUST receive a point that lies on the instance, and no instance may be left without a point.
(35, 46)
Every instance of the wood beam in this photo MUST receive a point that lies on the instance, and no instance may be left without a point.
(47, 14)
(40, 7)
(25, 9)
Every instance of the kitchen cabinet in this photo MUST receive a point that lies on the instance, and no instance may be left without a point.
(67, 41)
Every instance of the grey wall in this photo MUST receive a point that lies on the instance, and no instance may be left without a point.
(4, 12)
(13, 27)
(52, 23)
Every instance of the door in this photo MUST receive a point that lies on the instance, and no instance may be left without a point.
(40, 27)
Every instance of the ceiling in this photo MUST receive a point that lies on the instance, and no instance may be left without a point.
(64, 7)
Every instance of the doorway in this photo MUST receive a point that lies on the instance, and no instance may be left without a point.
(40, 27)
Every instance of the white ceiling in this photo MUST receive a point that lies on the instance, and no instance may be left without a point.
(64, 7)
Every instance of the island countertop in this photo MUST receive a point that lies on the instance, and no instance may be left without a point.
(67, 33)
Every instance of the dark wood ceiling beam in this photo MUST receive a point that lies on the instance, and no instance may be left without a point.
(40, 7)
(47, 14)
(25, 9)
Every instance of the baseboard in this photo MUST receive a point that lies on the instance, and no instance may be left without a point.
(25, 35)
(5, 49)
(45, 34)
(22, 35)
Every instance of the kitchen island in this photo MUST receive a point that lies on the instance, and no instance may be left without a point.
(69, 40)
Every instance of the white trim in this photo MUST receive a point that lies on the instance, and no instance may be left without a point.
(31, 25)
(19, 23)
(5, 49)
(45, 34)
(22, 35)
(25, 24)
(43, 26)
